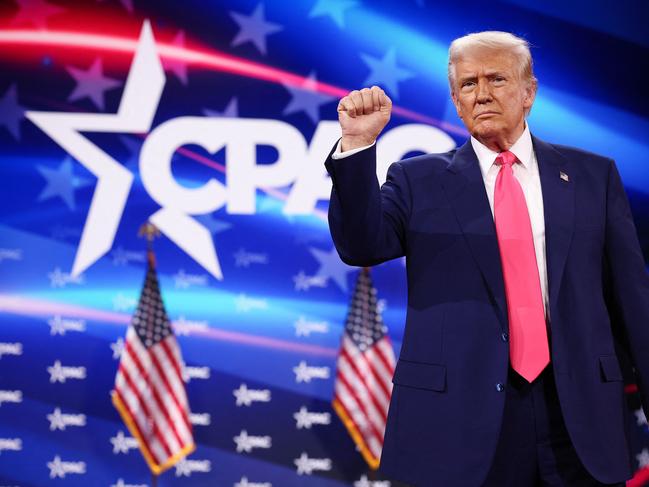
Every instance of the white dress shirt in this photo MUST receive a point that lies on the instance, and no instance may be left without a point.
(527, 174)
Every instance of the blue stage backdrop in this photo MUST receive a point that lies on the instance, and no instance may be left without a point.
(213, 119)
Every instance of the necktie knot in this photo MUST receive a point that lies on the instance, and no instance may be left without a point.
(506, 158)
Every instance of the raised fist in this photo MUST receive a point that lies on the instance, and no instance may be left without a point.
(362, 115)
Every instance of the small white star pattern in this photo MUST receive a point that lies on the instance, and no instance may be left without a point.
(643, 458)
(117, 347)
(150, 321)
(640, 417)
(364, 324)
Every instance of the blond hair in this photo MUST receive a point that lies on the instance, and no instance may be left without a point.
(492, 39)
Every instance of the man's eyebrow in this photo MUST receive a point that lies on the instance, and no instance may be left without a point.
(471, 77)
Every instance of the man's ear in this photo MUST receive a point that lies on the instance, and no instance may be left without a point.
(530, 94)
(456, 103)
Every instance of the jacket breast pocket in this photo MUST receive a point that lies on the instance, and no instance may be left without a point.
(609, 368)
(431, 377)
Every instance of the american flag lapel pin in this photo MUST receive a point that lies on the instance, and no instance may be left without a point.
(564, 176)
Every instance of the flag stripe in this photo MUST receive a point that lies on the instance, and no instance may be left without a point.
(172, 351)
(358, 417)
(160, 396)
(371, 376)
(135, 395)
(386, 353)
(377, 364)
(351, 394)
(153, 450)
(147, 391)
(371, 452)
(145, 413)
(180, 422)
(370, 383)
(348, 370)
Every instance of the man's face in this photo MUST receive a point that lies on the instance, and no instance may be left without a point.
(489, 95)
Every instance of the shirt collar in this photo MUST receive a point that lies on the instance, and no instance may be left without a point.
(522, 149)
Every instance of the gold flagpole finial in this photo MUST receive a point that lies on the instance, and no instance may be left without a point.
(149, 231)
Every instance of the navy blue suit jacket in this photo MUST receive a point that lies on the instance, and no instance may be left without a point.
(446, 409)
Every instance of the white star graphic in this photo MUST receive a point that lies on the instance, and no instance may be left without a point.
(242, 396)
(56, 372)
(303, 465)
(57, 326)
(122, 443)
(640, 417)
(242, 483)
(643, 458)
(301, 372)
(118, 348)
(254, 28)
(183, 468)
(135, 114)
(56, 420)
(302, 418)
(243, 445)
(56, 468)
(362, 482)
(59, 278)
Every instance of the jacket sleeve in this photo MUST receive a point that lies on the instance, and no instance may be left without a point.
(367, 222)
(628, 281)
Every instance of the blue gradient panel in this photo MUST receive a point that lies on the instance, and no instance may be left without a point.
(284, 294)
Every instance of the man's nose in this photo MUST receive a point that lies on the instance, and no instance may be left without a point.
(484, 92)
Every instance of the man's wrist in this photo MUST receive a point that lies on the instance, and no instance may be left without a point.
(348, 143)
(338, 154)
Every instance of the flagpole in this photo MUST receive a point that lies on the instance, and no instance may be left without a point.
(149, 231)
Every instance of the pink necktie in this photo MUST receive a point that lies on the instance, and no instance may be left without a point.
(528, 348)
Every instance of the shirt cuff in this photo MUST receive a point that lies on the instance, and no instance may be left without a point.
(339, 154)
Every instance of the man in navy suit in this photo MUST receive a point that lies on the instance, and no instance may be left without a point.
(526, 286)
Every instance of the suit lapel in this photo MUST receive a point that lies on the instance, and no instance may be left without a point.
(558, 209)
(464, 187)
(466, 193)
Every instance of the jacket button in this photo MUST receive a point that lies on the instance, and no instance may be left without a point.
(500, 387)
(504, 336)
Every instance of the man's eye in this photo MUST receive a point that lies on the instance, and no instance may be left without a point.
(467, 84)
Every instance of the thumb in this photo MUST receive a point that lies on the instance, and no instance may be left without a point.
(384, 101)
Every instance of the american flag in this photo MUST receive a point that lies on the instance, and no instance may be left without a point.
(364, 372)
(149, 388)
